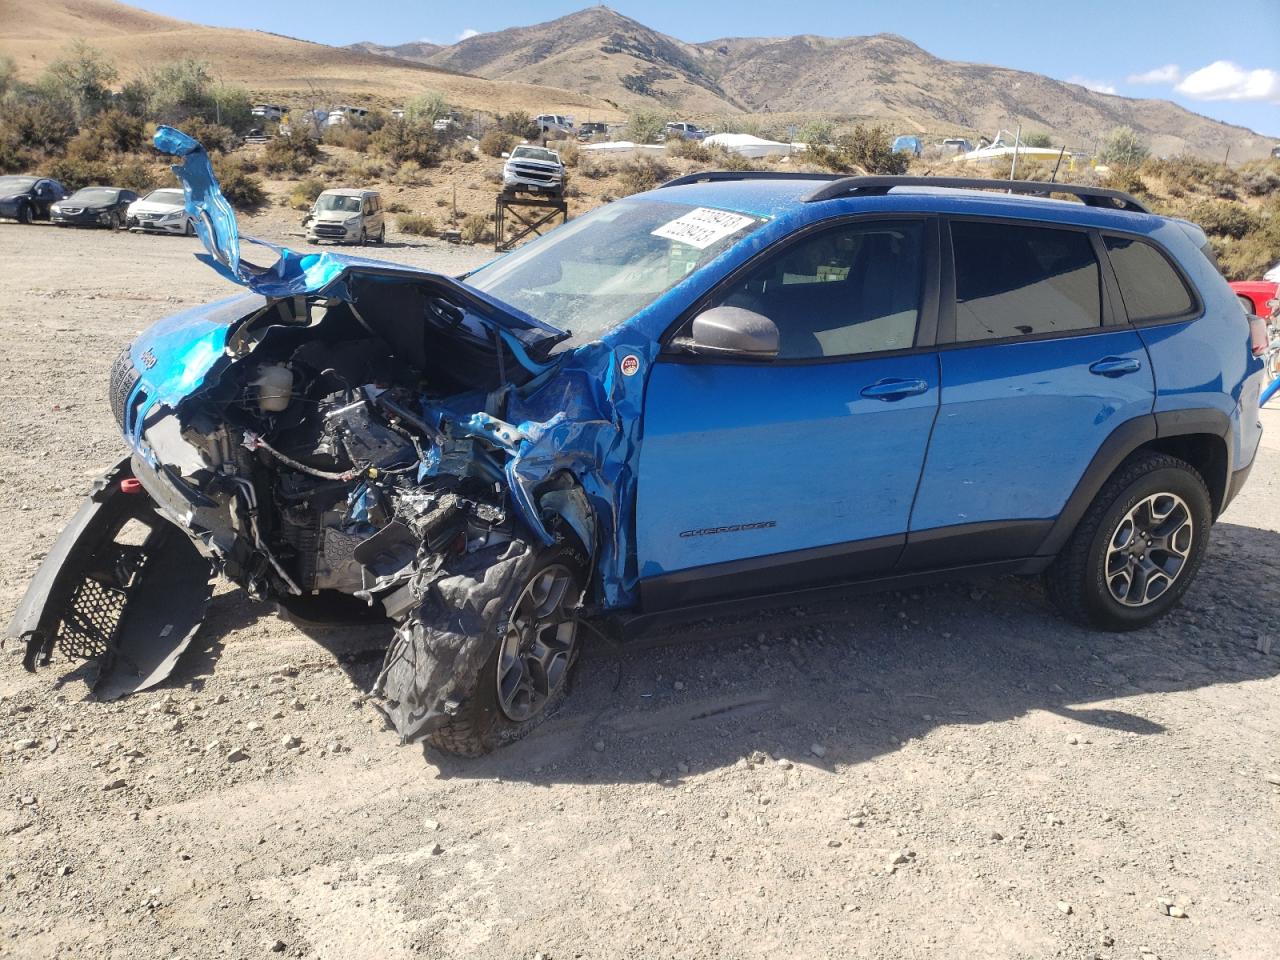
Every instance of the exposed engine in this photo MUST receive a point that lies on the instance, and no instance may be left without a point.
(330, 464)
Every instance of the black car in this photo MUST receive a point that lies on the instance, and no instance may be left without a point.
(93, 207)
(27, 199)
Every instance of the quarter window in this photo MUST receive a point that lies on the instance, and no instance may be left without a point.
(1151, 288)
(849, 290)
(1019, 281)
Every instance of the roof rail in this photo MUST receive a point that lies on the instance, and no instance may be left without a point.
(879, 186)
(719, 176)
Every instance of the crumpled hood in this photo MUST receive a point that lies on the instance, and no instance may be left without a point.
(175, 355)
(299, 274)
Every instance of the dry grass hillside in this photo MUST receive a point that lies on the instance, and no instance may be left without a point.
(34, 33)
(881, 77)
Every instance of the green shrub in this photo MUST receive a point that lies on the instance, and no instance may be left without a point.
(304, 193)
(135, 174)
(685, 149)
(1224, 218)
(76, 172)
(642, 173)
(1036, 140)
(36, 123)
(725, 159)
(114, 131)
(1260, 178)
(214, 137)
(426, 108)
(242, 190)
(517, 123)
(464, 153)
(400, 140)
(819, 132)
(1123, 148)
(416, 224)
(868, 149)
(345, 135)
(81, 78)
(475, 229)
(497, 141)
(295, 153)
(410, 174)
(645, 126)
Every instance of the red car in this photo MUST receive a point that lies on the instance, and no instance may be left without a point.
(1254, 295)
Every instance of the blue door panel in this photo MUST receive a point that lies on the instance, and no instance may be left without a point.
(792, 452)
(1019, 423)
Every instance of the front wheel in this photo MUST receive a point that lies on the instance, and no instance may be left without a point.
(26, 215)
(1137, 548)
(487, 655)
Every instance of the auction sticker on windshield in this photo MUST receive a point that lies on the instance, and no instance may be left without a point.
(702, 227)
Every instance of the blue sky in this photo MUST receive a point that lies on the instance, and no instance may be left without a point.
(1220, 59)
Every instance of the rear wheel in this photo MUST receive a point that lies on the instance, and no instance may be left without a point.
(1247, 304)
(1137, 548)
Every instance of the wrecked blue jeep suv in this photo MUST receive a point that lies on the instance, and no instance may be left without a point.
(732, 387)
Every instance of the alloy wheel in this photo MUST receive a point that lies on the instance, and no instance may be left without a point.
(537, 650)
(1149, 549)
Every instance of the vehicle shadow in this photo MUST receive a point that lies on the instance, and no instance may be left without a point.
(863, 676)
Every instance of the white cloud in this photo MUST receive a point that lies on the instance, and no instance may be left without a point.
(1097, 86)
(467, 34)
(1224, 80)
(1169, 73)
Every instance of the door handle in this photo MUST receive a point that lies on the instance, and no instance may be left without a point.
(1115, 366)
(894, 389)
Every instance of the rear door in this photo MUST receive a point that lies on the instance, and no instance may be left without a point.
(1037, 369)
(768, 474)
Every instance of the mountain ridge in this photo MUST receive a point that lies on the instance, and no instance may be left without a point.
(882, 77)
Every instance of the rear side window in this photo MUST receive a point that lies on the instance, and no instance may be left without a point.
(1019, 281)
(1151, 288)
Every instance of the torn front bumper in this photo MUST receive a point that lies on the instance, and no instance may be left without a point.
(121, 586)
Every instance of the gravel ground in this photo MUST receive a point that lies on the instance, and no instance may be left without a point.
(950, 772)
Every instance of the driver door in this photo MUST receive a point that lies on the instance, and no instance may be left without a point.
(776, 473)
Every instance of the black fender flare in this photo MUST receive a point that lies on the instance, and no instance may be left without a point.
(1119, 445)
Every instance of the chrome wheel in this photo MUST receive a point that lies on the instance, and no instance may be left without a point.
(1149, 549)
(538, 647)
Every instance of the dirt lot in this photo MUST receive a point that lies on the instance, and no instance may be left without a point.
(952, 772)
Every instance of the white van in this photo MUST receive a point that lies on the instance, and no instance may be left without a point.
(347, 216)
(344, 114)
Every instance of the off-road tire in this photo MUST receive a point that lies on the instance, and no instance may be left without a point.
(481, 726)
(1076, 581)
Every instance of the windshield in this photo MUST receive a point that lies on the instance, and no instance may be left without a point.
(332, 201)
(95, 195)
(17, 183)
(535, 153)
(600, 269)
(166, 196)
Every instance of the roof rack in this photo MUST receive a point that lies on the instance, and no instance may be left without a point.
(879, 186)
(720, 176)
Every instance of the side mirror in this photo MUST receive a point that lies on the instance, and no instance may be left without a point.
(731, 332)
(505, 155)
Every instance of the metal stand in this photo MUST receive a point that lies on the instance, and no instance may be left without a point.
(530, 215)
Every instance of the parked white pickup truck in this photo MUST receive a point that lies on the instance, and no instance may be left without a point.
(554, 123)
(531, 169)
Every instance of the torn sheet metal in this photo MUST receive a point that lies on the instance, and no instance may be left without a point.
(120, 586)
(436, 654)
